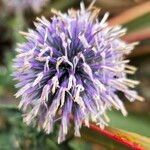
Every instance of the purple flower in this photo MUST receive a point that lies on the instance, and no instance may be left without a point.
(21, 5)
(72, 67)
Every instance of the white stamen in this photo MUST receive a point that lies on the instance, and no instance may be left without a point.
(38, 79)
(84, 40)
(97, 99)
(106, 15)
(131, 67)
(64, 125)
(106, 117)
(82, 7)
(88, 70)
(72, 82)
(75, 62)
(59, 61)
(80, 55)
(26, 67)
(46, 66)
(113, 69)
(64, 41)
(48, 123)
(43, 20)
(45, 92)
(22, 90)
(129, 71)
(86, 121)
(43, 51)
(63, 96)
(42, 58)
(77, 98)
(100, 85)
(55, 83)
(46, 35)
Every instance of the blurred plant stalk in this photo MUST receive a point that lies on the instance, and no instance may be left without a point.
(128, 139)
(130, 14)
(138, 35)
(117, 6)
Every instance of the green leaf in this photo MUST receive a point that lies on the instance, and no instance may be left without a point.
(138, 123)
(77, 144)
(138, 23)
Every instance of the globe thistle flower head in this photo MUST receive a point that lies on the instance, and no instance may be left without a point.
(22, 5)
(71, 68)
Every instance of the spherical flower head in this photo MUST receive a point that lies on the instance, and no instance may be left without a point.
(71, 69)
(22, 5)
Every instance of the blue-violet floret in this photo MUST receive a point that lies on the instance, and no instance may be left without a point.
(71, 69)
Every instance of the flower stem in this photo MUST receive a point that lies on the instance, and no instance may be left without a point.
(116, 138)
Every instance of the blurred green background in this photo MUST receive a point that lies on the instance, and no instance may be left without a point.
(14, 134)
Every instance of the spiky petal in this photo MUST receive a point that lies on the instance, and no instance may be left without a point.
(72, 67)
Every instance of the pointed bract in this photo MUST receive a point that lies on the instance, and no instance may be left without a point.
(72, 68)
